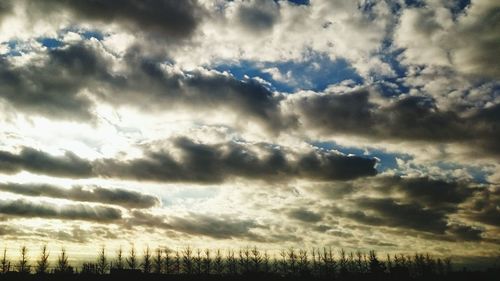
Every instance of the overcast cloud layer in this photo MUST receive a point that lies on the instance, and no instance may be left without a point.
(352, 124)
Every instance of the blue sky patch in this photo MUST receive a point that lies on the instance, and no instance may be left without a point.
(300, 2)
(50, 43)
(387, 160)
(315, 73)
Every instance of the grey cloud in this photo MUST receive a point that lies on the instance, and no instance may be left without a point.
(223, 227)
(198, 90)
(52, 88)
(198, 163)
(5, 8)
(220, 227)
(6, 230)
(215, 163)
(330, 166)
(258, 15)
(412, 118)
(354, 113)
(468, 45)
(171, 18)
(388, 212)
(338, 113)
(69, 165)
(432, 193)
(465, 232)
(305, 215)
(79, 235)
(484, 207)
(113, 196)
(24, 208)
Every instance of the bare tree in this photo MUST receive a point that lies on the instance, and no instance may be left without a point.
(266, 267)
(5, 263)
(146, 264)
(244, 260)
(102, 262)
(176, 267)
(198, 262)
(169, 262)
(207, 262)
(42, 264)
(187, 260)
(218, 263)
(256, 259)
(158, 261)
(62, 263)
(447, 265)
(303, 263)
(376, 267)
(119, 259)
(132, 259)
(23, 265)
(232, 264)
(283, 263)
(292, 261)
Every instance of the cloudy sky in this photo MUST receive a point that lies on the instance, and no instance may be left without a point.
(353, 124)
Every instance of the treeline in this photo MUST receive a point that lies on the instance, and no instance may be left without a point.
(317, 263)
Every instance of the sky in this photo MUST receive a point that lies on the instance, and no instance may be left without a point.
(354, 124)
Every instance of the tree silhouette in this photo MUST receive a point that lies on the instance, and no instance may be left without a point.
(176, 266)
(207, 262)
(232, 264)
(119, 259)
(132, 259)
(303, 263)
(187, 260)
(158, 261)
(102, 262)
(256, 259)
(42, 264)
(218, 263)
(23, 265)
(146, 264)
(376, 267)
(169, 262)
(198, 263)
(4, 263)
(291, 264)
(63, 266)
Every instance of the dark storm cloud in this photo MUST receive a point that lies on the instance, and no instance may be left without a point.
(430, 192)
(331, 166)
(29, 159)
(6, 230)
(411, 118)
(163, 17)
(220, 227)
(354, 113)
(471, 45)
(304, 215)
(27, 209)
(5, 8)
(259, 15)
(485, 208)
(215, 163)
(198, 163)
(465, 232)
(198, 90)
(115, 196)
(388, 212)
(52, 88)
